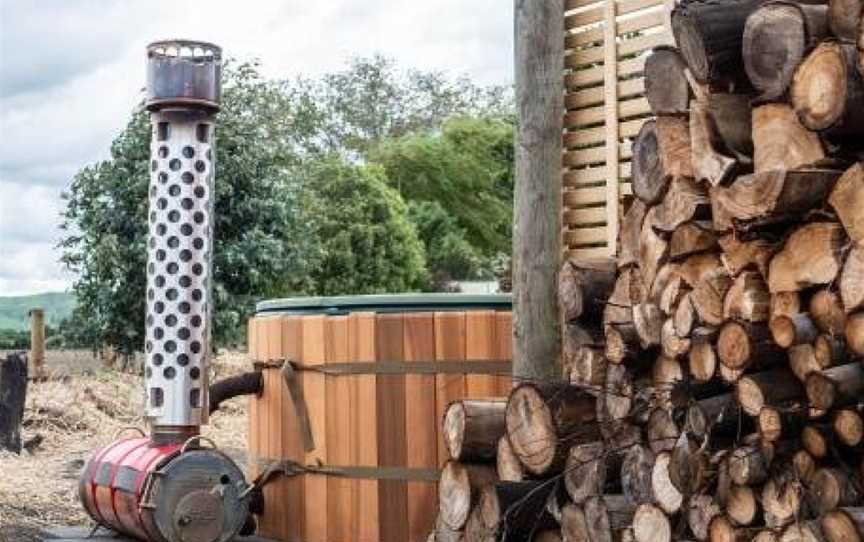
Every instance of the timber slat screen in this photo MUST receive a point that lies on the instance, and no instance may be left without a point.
(606, 44)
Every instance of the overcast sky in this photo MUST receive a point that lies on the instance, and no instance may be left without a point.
(71, 72)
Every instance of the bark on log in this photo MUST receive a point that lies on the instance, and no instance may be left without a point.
(780, 140)
(666, 86)
(701, 509)
(509, 467)
(636, 471)
(784, 304)
(628, 236)
(649, 176)
(584, 285)
(802, 361)
(810, 257)
(691, 238)
(709, 36)
(685, 200)
(826, 310)
(661, 432)
(777, 36)
(748, 465)
(622, 343)
(836, 387)
(544, 421)
(472, 429)
(648, 322)
(511, 511)
(13, 394)
(829, 351)
(769, 388)
(459, 491)
(588, 369)
(585, 471)
(443, 533)
(711, 160)
(827, 91)
(847, 199)
(852, 280)
(628, 291)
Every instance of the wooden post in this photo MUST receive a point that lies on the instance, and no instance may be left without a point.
(37, 342)
(610, 91)
(539, 66)
(13, 392)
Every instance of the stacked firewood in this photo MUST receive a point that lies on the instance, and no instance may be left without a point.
(714, 384)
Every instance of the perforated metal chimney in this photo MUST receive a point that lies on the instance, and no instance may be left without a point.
(183, 94)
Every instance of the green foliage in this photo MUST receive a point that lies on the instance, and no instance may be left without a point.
(449, 255)
(467, 168)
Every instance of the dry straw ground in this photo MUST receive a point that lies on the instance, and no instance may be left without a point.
(81, 407)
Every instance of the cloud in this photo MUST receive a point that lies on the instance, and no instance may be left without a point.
(71, 73)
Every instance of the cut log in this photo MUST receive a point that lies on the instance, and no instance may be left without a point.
(472, 429)
(685, 200)
(688, 466)
(703, 356)
(781, 501)
(810, 257)
(771, 197)
(628, 291)
(666, 374)
(748, 465)
(636, 472)
(662, 431)
(830, 488)
(584, 285)
(777, 423)
(844, 18)
(827, 91)
(509, 467)
(739, 255)
(802, 532)
(742, 507)
(722, 530)
(701, 509)
(588, 369)
(848, 426)
(709, 36)
(803, 465)
(742, 345)
(776, 38)
(544, 421)
(691, 238)
(648, 322)
(802, 361)
(459, 490)
(616, 401)
(844, 525)
(622, 343)
(852, 280)
(685, 317)
(649, 177)
(829, 351)
(793, 330)
(672, 292)
(666, 85)
(514, 510)
(13, 395)
(781, 142)
(708, 295)
(711, 161)
(826, 310)
(748, 298)
(666, 495)
(836, 387)
(816, 438)
(585, 471)
(650, 524)
(673, 346)
(628, 236)
(700, 266)
(847, 199)
(784, 304)
(653, 249)
(673, 134)
(769, 388)
(443, 533)
(854, 331)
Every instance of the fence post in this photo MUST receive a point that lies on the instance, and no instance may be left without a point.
(37, 342)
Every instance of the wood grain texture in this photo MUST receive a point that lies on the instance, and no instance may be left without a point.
(291, 491)
(315, 393)
(449, 346)
(480, 345)
(339, 413)
(504, 349)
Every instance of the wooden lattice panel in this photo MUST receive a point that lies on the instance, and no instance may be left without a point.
(606, 44)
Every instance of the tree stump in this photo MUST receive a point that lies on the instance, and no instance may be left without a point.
(13, 392)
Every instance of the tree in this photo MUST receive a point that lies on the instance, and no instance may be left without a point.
(260, 249)
(449, 255)
(367, 244)
(466, 168)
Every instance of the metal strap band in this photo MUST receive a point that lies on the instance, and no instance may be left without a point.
(287, 467)
(473, 367)
(299, 403)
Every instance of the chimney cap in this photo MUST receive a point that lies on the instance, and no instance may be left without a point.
(183, 74)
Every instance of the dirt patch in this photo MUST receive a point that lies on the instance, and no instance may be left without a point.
(82, 407)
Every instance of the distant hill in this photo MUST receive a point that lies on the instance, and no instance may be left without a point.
(13, 310)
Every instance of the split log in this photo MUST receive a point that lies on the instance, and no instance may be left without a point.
(722, 530)
(661, 431)
(636, 472)
(703, 356)
(672, 293)
(711, 161)
(667, 277)
(544, 420)
(854, 331)
(844, 525)
(781, 142)
(673, 135)
(709, 36)
(708, 295)
(585, 471)
(827, 91)
(844, 17)
(836, 387)
(516, 510)
(748, 465)
(653, 249)
(666, 495)
(771, 197)
(852, 280)
(742, 506)
(459, 491)
(831, 488)
(666, 374)
(777, 36)
(784, 304)
(781, 501)
(443, 533)
(650, 524)
(649, 177)
(584, 285)
(807, 531)
(769, 388)
(472, 429)
(622, 343)
(629, 290)
(628, 236)
(672, 345)
(685, 200)
(701, 509)
(648, 322)
(685, 317)
(793, 330)
(826, 310)
(739, 255)
(13, 394)
(847, 199)
(742, 345)
(588, 369)
(779, 423)
(509, 467)
(616, 402)
(747, 299)
(700, 266)
(690, 238)
(848, 426)
(666, 86)
(810, 257)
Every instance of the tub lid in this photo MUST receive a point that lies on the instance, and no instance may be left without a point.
(385, 303)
